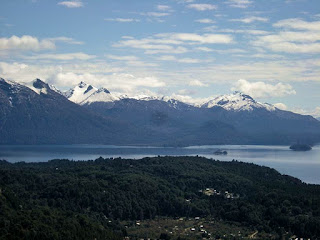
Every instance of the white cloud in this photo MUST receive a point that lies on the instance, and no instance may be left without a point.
(167, 58)
(180, 60)
(170, 49)
(156, 14)
(268, 71)
(122, 20)
(197, 83)
(189, 60)
(265, 55)
(8, 70)
(116, 81)
(151, 45)
(250, 19)
(22, 72)
(298, 37)
(185, 1)
(30, 43)
(316, 112)
(247, 31)
(281, 106)
(202, 7)
(289, 47)
(131, 61)
(197, 38)
(71, 4)
(65, 40)
(191, 100)
(205, 20)
(290, 42)
(25, 42)
(313, 112)
(163, 8)
(186, 92)
(296, 23)
(229, 51)
(239, 3)
(63, 56)
(167, 42)
(262, 89)
(204, 49)
(294, 37)
(123, 58)
(98, 74)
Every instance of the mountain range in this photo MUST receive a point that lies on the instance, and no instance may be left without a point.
(39, 113)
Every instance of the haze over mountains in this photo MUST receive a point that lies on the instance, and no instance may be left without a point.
(38, 113)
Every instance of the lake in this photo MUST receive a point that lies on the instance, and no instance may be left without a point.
(303, 165)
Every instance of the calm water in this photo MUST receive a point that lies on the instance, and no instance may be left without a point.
(303, 165)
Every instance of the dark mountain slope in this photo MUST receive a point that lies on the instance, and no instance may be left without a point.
(31, 118)
(261, 126)
(177, 123)
(40, 114)
(171, 123)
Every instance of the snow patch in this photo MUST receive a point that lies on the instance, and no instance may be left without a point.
(237, 102)
(80, 93)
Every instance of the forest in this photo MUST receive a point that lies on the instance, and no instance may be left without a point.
(63, 199)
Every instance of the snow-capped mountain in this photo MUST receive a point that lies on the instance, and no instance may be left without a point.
(101, 95)
(80, 93)
(38, 113)
(84, 93)
(238, 102)
(39, 86)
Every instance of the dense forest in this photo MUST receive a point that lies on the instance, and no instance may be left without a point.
(63, 199)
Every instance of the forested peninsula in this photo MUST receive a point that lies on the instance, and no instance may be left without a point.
(157, 198)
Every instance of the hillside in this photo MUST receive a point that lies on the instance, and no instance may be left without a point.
(99, 196)
(38, 114)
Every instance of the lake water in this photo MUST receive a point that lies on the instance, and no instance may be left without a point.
(303, 165)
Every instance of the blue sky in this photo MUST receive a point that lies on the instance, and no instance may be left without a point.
(192, 50)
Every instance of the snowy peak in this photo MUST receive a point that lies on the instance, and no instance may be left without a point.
(82, 84)
(39, 84)
(100, 95)
(84, 93)
(237, 102)
(8, 82)
(103, 90)
(41, 87)
(80, 92)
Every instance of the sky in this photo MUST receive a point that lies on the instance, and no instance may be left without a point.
(192, 50)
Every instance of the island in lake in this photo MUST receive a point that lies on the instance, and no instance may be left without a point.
(300, 147)
(220, 152)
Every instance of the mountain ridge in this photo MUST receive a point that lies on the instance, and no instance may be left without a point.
(237, 101)
(42, 114)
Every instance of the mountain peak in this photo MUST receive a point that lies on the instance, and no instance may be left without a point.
(39, 84)
(102, 89)
(237, 101)
(7, 81)
(243, 96)
(82, 84)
